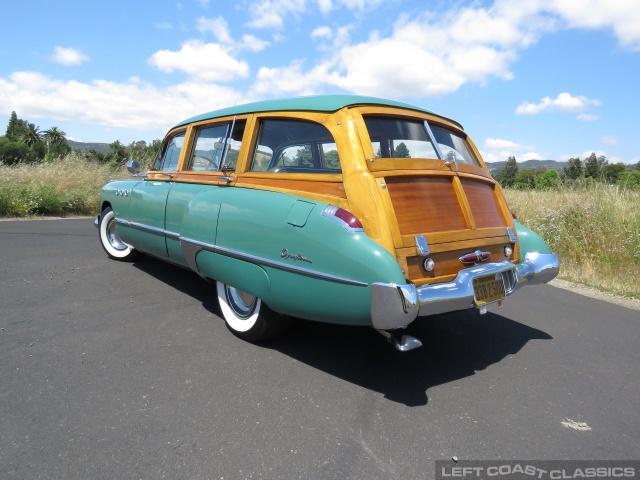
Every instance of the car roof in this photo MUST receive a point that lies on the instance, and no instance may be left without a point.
(316, 103)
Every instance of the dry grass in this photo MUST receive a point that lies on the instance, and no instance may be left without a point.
(595, 230)
(67, 186)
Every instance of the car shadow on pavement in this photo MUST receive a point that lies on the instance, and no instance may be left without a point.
(455, 345)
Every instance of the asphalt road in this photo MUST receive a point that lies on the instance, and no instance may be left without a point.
(114, 370)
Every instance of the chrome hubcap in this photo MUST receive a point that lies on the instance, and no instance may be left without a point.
(242, 303)
(113, 237)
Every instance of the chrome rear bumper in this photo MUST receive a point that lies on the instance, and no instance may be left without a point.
(396, 306)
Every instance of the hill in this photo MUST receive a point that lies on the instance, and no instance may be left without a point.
(532, 164)
(83, 146)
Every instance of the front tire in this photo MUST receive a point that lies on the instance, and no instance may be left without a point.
(110, 239)
(246, 316)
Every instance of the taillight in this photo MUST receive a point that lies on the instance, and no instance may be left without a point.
(515, 217)
(347, 219)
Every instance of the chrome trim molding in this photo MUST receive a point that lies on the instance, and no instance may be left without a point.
(271, 263)
(96, 221)
(512, 235)
(148, 228)
(190, 251)
(423, 246)
(396, 306)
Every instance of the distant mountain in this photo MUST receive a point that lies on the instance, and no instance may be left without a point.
(83, 147)
(532, 164)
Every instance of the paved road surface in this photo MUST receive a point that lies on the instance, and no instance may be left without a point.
(112, 370)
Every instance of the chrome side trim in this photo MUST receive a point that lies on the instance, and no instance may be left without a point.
(512, 235)
(148, 228)
(271, 263)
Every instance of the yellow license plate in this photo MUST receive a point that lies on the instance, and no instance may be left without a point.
(488, 289)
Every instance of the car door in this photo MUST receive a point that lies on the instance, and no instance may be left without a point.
(149, 200)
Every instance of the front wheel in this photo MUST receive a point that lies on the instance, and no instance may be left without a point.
(246, 316)
(110, 239)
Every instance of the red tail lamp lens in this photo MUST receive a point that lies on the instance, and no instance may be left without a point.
(515, 217)
(348, 218)
(345, 218)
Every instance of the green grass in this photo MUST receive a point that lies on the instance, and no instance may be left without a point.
(594, 229)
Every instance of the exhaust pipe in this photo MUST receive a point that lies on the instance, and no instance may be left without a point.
(402, 343)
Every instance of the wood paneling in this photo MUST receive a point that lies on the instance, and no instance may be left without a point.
(483, 203)
(448, 263)
(335, 189)
(425, 205)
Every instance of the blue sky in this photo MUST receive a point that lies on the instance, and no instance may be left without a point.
(538, 79)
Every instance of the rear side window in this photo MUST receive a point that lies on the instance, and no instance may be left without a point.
(453, 147)
(215, 149)
(295, 146)
(171, 153)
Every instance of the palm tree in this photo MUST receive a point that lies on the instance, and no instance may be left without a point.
(54, 135)
(31, 135)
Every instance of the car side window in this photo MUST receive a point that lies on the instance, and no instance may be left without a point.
(453, 146)
(211, 143)
(171, 153)
(295, 146)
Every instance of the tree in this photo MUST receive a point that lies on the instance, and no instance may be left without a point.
(15, 128)
(331, 159)
(402, 151)
(612, 171)
(31, 135)
(53, 136)
(525, 178)
(548, 179)
(507, 175)
(303, 157)
(12, 152)
(574, 170)
(593, 166)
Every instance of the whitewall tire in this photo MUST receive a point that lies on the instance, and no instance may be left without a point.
(246, 316)
(110, 239)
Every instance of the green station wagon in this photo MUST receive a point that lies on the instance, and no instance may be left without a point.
(340, 209)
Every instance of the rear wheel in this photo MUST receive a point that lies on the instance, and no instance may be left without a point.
(246, 316)
(110, 239)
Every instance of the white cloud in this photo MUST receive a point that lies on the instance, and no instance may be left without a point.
(164, 26)
(203, 61)
(496, 143)
(622, 16)
(587, 117)
(253, 43)
(564, 103)
(271, 13)
(499, 150)
(68, 56)
(321, 32)
(218, 27)
(132, 104)
(203, 3)
(610, 140)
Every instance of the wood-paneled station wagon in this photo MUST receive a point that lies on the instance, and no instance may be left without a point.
(340, 209)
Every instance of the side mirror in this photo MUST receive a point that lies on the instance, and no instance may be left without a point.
(134, 167)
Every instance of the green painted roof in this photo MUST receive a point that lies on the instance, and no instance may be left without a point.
(318, 103)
